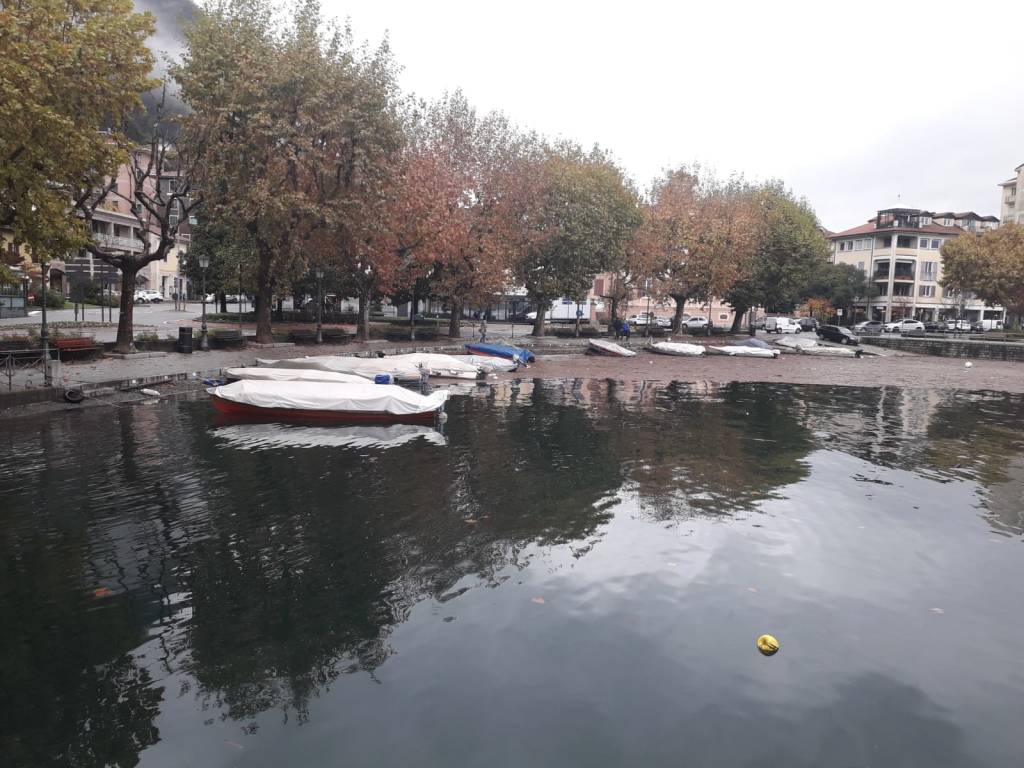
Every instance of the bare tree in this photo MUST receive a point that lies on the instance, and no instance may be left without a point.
(161, 198)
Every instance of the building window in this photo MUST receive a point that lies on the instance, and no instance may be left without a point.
(936, 244)
(883, 289)
(923, 243)
(885, 242)
(947, 222)
(904, 241)
(926, 290)
(599, 286)
(929, 270)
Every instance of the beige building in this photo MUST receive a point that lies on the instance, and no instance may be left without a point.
(899, 250)
(1012, 210)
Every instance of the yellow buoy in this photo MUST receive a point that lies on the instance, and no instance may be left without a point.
(767, 645)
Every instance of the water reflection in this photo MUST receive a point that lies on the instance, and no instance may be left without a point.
(140, 545)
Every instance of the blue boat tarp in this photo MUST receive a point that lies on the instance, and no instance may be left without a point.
(502, 350)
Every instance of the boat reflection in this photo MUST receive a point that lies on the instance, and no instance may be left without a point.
(261, 437)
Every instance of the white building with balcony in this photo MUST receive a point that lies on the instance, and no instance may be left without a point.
(900, 251)
(1012, 201)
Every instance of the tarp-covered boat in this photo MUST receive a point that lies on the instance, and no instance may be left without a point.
(292, 374)
(266, 436)
(740, 351)
(366, 367)
(384, 403)
(506, 351)
(442, 366)
(678, 349)
(796, 342)
(609, 348)
(491, 364)
(823, 351)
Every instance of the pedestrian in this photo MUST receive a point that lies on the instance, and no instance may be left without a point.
(625, 330)
(617, 327)
(483, 330)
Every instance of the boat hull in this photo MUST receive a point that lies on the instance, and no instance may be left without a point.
(232, 408)
(609, 349)
(501, 350)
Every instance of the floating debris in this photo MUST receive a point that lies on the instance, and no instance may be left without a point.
(767, 645)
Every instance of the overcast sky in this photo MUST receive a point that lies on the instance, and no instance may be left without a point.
(851, 104)
(854, 105)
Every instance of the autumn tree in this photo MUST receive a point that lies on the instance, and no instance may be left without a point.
(635, 268)
(296, 121)
(790, 248)
(70, 74)
(990, 266)
(844, 285)
(703, 233)
(576, 214)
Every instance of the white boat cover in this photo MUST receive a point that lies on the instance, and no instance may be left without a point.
(293, 374)
(257, 437)
(796, 342)
(677, 348)
(367, 367)
(610, 348)
(321, 396)
(743, 351)
(824, 351)
(443, 366)
(491, 364)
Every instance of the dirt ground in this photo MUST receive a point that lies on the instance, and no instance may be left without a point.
(899, 371)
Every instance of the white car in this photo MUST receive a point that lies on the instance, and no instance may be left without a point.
(782, 325)
(697, 323)
(958, 325)
(902, 326)
(146, 295)
(641, 319)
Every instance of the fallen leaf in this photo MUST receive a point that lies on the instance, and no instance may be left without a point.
(102, 592)
(537, 600)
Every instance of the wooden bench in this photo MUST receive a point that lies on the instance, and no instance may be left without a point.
(227, 339)
(302, 337)
(75, 346)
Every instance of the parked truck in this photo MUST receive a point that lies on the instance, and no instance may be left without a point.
(564, 311)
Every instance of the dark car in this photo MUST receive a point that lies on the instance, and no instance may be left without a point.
(932, 327)
(807, 323)
(838, 334)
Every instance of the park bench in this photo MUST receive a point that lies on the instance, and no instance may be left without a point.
(227, 339)
(75, 346)
(302, 337)
(335, 336)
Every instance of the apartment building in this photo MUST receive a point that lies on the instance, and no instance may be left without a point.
(1012, 211)
(900, 250)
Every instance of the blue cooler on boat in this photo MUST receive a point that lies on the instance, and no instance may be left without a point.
(383, 378)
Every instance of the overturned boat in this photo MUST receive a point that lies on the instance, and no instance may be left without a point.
(679, 349)
(823, 351)
(743, 351)
(506, 351)
(365, 401)
(608, 348)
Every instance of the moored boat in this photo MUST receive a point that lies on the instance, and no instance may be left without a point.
(823, 351)
(506, 351)
(365, 367)
(740, 351)
(491, 364)
(365, 402)
(609, 348)
(678, 349)
(292, 374)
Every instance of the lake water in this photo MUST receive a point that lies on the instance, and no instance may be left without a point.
(574, 573)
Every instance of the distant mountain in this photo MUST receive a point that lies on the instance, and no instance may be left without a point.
(166, 44)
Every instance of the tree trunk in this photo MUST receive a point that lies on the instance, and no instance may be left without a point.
(737, 320)
(542, 310)
(455, 322)
(264, 292)
(364, 318)
(413, 307)
(125, 328)
(223, 297)
(677, 320)
(613, 319)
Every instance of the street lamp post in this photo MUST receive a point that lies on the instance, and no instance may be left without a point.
(44, 331)
(318, 272)
(204, 341)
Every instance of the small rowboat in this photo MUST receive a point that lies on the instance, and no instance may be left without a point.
(677, 348)
(365, 402)
(609, 349)
(506, 351)
(291, 374)
(740, 351)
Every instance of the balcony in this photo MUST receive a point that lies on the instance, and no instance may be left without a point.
(904, 274)
(118, 243)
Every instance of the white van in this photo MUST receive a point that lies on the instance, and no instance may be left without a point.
(781, 325)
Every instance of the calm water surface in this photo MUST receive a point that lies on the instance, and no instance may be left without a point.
(574, 573)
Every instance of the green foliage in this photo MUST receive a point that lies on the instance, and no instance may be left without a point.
(990, 266)
(584, 214)
(54, 299)
(790, 250)
(68, 70)
(841, 284)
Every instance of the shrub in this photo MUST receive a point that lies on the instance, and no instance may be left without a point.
(54, 299)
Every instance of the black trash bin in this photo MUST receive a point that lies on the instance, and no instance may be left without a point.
(185, 340)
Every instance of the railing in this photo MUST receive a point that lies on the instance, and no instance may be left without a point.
(898, 275)
(112, 241)
(12, 360)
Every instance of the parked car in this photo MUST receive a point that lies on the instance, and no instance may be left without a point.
(146, 296)
(662, 321)
(807, 323)
(933, 327)
(838, 334)
(639, 319)
(991, 325)
(868, 326)
(782, 325)
(697, 323)
(958, 325)
(902, 326)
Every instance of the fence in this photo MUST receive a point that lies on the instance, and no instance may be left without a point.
(14, 360)
(12, 300)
